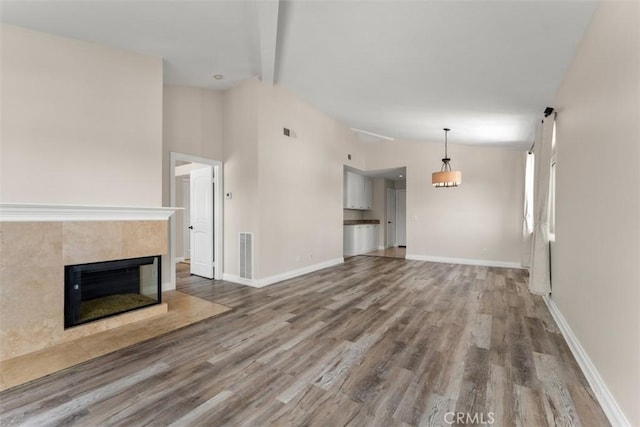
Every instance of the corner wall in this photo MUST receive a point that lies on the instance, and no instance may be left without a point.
(81, 122)
(241, 212)
(478, 222)
(300, 183)
(596, 280)
(192, 124)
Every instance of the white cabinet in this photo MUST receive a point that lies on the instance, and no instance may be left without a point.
(358, 191)
(375, 242)
(367, 193)
(349, 236)
(360, 239)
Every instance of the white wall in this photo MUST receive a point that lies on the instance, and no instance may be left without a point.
(481, 220)
(596, 278)
(81, 122)
(287, 191)
(192, 124)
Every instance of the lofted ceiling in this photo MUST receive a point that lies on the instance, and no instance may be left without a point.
(402, 69)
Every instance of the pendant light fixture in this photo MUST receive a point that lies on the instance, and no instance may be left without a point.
(446, 177)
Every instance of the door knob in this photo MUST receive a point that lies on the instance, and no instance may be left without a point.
(191, 227)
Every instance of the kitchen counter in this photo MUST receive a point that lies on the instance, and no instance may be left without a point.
(361, 221)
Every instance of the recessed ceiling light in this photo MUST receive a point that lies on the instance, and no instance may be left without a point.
(218, 76)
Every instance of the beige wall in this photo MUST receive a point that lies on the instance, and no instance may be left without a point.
(192, 124)
(300, 183)
(596, 281)
(287, 191)
(479, 221)
(80, 123)
(353, 214)
(400, 184)
(240, 112)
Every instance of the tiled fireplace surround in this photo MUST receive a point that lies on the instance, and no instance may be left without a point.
(36, 242)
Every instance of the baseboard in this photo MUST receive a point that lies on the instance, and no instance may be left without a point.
(381, 248)
(259, 283)
(605, 398)
(239, 280)
(465, 261)
(299, 272)
(179, 259)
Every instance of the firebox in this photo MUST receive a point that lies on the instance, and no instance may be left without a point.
(102, 289)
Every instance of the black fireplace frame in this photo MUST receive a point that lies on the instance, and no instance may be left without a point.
(73, 285)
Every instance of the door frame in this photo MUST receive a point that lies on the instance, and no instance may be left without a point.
(218, 212)
(390, 228)
(186, 237)
(398, 192)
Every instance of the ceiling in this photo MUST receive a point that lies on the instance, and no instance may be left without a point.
(402, 69)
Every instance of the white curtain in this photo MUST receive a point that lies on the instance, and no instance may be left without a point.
(527, 214)
(539, 273)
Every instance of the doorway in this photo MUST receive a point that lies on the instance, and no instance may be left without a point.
(401, 218)
(387, 184)
(201, 230)
(391, 218)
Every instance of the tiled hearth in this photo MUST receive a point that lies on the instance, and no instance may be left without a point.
(37, 241)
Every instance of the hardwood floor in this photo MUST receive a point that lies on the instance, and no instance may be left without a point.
(375, 341)
(389, 252)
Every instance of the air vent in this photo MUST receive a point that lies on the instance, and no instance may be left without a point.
(246, 255)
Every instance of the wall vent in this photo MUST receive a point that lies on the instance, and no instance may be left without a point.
(246, 255)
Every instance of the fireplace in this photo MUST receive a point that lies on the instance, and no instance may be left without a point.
(101, 289)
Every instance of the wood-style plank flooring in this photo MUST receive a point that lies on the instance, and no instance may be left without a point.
(389, 252)
(375, 341)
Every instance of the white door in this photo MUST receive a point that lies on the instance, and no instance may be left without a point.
(201, 213)
(391, 218)
(401, 217)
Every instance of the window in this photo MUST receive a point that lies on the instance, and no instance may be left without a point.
(552, 186)
(528, 193)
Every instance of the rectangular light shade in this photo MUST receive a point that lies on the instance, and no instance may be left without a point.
(446, 178)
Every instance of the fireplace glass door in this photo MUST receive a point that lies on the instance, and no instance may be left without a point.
(101, 289)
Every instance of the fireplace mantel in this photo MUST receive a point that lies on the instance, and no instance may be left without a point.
(37, 241)
(19, 212)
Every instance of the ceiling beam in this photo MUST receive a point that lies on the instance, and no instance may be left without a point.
(268, 20)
